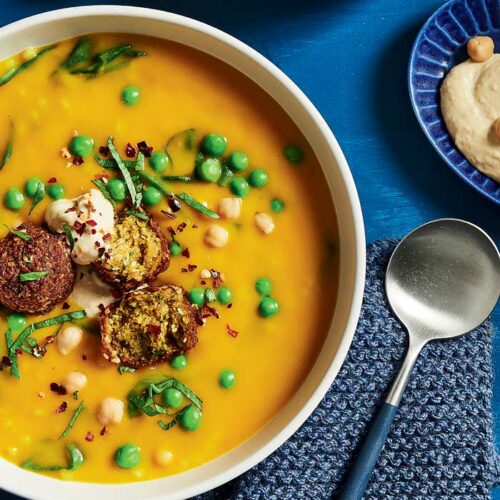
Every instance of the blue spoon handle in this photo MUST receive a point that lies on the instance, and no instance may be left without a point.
(358, 478)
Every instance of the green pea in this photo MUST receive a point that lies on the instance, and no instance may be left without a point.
(16, 322)
(14, 199)
(293, 154)
(197, 296)
(214, 144)
(151, 196)
(238, 161)
(258, 178)
(227, 379)
(210, 295)
(224, 295)
(277, 205)
(209, 170)
(159, 161)
(263, 286)
(55, 191)
(117, 189)
(81, 145)
(179, 362)
(268, 307)
(31, 186)
(131, 95)
(191, 418)
(128, 456)
(175, 248)
(239, 187)
(173, 398)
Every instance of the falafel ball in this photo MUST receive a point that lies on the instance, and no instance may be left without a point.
(138, 252)
(43, 251)
(148, 326)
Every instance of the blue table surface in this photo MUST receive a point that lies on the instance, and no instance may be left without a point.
(350, 57)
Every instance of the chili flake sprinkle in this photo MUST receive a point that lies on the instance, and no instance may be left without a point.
(231, 331)
(89, 437)
(58, 389)
(63, 407)
(145, 149)
(130, 151)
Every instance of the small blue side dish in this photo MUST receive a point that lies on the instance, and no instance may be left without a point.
(440, 45)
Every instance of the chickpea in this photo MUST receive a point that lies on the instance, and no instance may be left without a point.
(162, 458)
(480, 48)
(74, 381)
(264, 222)
(229, 208)
(216, 236)
(110, 411)
(496, 126)
(68, 339)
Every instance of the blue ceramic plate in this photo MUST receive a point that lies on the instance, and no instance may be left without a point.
(440, 45)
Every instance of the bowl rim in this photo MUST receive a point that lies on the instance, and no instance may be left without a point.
(358, 232)
(412, 93)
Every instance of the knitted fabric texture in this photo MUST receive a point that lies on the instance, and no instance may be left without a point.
(441, 442)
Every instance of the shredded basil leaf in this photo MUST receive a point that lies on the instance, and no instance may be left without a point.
(73, 419)
(111, 164)
(69, 236)
(75, 456)
(20, 234)
(177, 178)
(34, 276)
(189, 200)
(125, 369)
(9, 75)
(104, 190)
(9, 147)
(153, 181)
(139, 215)
(79, 54)
(40, 193)
(124, 171)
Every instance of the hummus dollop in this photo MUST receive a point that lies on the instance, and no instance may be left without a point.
(470, 102)
(90, 218)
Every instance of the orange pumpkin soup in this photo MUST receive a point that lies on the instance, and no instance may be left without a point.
(233, 255)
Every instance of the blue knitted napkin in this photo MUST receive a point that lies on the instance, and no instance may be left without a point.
(441, 442)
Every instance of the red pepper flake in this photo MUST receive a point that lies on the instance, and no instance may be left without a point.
(84, 357)
(94, 231)
(103, 431)
(66, 306)
(78, 160)
(230, 305)
(92, 223)
(6, 361)
(101, 177)
(171, 231)
(209, 311)
(63, 407)
(186, 253)
(107, 237)
(203, 282)
(79, 227)
(89, 437)
(49, 339)
(19, 352)
(58, 389)
(101, 308)
(101, 251)
(169, 214)
(130, 151)
(104, 150)
(231, 331)
(70, 209)
(52, 180)
(153, 329)
(181, 227)
(217, 279)
(191, 267)
(145, 149)
(116, 294)
(174, 204)
(195, 226)
(198, 317)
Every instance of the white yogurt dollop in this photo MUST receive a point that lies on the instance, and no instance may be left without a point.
(90, 292)
(90, 217)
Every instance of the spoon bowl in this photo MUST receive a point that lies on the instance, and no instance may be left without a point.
(443, 279)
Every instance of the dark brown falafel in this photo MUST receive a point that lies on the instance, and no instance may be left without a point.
(41, 252)
(138, 253)
(148, 326)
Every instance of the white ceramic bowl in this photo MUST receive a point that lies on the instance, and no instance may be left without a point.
(53, 26)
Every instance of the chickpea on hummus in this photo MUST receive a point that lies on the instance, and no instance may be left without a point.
(470, 103)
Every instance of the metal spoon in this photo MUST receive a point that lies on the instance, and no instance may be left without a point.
(443, 280)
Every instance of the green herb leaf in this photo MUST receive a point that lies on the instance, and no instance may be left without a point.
(189, 200)
(75, 395)
(9, 147)
(69, 236)
(34, 276)
(79, 54)
(40, 193)
(177, 178)
(125, 369)
(73, 419)
(20, 234)
(111, 164)
(75, 461)
(139, 215)
(123, 169)
(226, 176)
(9, 75)
(153, 181)
(105, 191)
